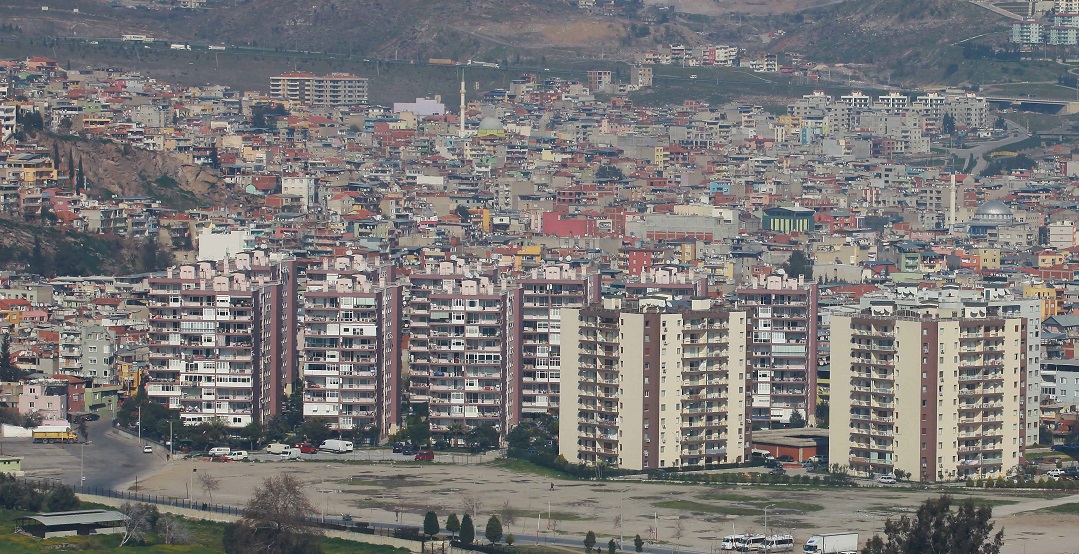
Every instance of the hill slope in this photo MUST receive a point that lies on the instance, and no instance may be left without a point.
(909, 42)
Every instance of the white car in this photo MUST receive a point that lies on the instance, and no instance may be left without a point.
(147, 449)
(1055, 473)
(886, 479)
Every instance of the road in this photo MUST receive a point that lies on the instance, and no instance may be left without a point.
(110, 460)
(984, 148)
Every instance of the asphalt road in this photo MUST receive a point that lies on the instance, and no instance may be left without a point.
(986, 147)
(110, 459)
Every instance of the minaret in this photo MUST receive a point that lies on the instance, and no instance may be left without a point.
(951, 207)
(462, 104)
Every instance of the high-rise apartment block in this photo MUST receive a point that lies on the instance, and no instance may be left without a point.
(938, 391)
(541, 297)
(782, 352)
(653, 383)
(222, 339)
(335, 89)
(350, 351)
(459, 318)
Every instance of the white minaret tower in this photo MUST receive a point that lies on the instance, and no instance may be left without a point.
(951, 207)
(462, 104)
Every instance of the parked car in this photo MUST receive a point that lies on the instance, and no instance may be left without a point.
(398, 447)
(305, 448)
(786, 458)
(886, 479)
(409, 450)
(777, 471)
(425, 456)
(1055, 473)
(147, 449)
(237, 455)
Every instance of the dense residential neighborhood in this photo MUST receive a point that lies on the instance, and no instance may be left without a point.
(666, 282)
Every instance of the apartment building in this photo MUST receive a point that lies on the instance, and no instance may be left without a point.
(782, 355)
(541, 297)
(8, 116)
(350, 351)
(459, 318)
(599, 80)
(335, 89)
(654, 383)
(936, 391)
(222, 339)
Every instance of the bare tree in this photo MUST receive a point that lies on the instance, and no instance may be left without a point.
(139, 520)
(679, 529)
(173, 530)
(472, 506)
(508, 515)
(209, 484)
(275, 519)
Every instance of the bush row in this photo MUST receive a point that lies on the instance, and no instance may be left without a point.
(1040, 483)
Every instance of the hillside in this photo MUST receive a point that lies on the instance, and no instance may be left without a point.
(909, 42)
(114, 169)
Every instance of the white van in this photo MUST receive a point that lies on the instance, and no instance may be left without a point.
(219, 451)
(237, 456)
(778, 543)
(750, 543)
(291, 454)
(277, 448)
(762, 454)
(730, 542)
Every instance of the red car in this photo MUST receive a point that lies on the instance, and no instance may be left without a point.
(425, 456)
(306, 448)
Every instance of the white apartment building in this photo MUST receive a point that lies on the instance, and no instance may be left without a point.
(646, 385)
(220, 339)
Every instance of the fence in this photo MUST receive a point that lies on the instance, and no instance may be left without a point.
(362, 527)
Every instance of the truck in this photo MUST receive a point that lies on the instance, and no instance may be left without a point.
(441, 61)
(54, 433)
(336, 446)
(831, 543)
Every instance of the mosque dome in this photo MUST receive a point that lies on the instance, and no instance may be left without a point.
(994, 209)
(490, 124)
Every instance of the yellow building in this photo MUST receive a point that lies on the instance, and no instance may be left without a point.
(989, 257)
(1051, 297)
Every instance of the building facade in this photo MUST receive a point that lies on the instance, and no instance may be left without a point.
(936, 391)
(648, 386)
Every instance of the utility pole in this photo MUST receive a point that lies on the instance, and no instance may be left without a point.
(140, 425)
(170, 440)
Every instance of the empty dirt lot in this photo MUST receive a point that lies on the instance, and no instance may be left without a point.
(693, 516)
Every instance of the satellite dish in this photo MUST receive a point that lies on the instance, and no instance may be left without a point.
(453, 257)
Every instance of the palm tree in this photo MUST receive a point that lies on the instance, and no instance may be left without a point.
(455, 430)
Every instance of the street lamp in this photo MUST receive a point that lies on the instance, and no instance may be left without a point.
(766, 508)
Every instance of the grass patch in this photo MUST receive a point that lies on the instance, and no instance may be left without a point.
(727, 497)
(1043, 454)
(523, 466)
(1069, 508)
(391, 482)
(525, 515)
(982, 501)
(789, 505)
(702, 508)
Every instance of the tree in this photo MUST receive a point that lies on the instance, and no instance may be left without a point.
(507, 514)
(61, 499)
(1045, 434)
(638, 543)
(589, 541)
(494, 530)
(83, 431)
(80, 180)
(798, 264)
(139, 521)
(430, 524)
(510, 539)
(609, 172)
(483, 436)
(276, 520)
(822, 415)
(947, 124)
(453, 525)
(472, 505)
(935, 527)
(8, 371)
(468, 531)
(315, 431)
(173, 530)
(612, 547)
(56, 157)
(797, 420)
(209, 484)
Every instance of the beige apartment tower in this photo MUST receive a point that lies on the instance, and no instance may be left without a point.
(649, 385)
(935, 392)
